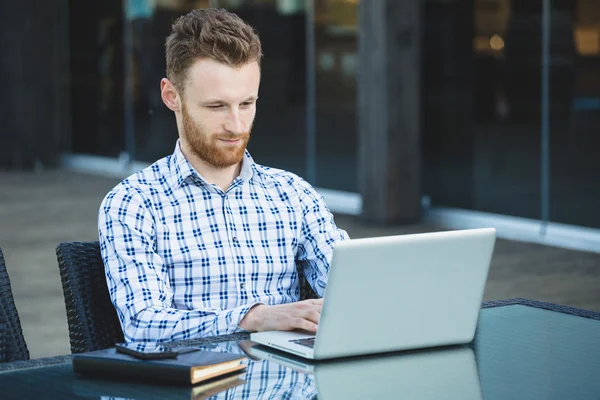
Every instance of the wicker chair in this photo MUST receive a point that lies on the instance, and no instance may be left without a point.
(12, 341)
(92, 319)
(306, 292)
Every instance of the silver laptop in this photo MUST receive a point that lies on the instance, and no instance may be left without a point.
(397, 293)
(447, 373)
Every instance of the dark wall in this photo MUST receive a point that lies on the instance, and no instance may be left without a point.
(34, 107)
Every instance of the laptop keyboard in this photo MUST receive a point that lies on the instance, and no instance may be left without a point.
(308, 342)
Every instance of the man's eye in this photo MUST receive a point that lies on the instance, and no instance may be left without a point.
(215, 107)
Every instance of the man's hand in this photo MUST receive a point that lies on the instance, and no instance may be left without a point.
(302, 315)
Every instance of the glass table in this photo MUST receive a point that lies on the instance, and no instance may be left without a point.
(522, 350)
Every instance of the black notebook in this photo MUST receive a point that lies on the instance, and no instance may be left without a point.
(190, 368)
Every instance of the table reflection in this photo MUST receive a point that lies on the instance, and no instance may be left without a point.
(262, 379)
(434, 374)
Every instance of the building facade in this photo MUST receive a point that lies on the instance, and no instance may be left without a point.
(470, 113)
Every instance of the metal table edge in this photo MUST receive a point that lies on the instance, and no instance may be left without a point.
(542, 305)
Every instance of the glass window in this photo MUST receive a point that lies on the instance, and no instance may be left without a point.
(336, 64)
(279, 133)
(482, 98)
(575, 112)
(96, 68)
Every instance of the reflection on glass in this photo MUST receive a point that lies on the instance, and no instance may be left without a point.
(336, 64)
(482, 95)
(96, 77)
(265, 379)
(575, 116)
(529, 353)
(449, 373)
(261, 379)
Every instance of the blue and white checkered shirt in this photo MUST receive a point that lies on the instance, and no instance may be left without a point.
(184, 259)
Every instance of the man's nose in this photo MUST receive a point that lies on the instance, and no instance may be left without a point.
(235, 124)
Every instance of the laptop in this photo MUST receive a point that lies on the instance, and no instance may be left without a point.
(446, 373)
(397, 293)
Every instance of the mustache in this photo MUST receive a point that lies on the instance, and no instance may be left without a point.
(231, 136)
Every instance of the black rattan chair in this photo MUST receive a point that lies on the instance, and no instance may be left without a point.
(92, 319)
(12, 341)
(306, 292)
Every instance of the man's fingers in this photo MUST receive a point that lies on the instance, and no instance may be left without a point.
(304, 315)
(308, 307)
(313, 316)
(305, 325)
(316, 302)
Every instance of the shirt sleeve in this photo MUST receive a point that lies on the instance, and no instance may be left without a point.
(138, 279)
(319, 235)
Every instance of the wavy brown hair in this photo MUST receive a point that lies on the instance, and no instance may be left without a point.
(212, 33)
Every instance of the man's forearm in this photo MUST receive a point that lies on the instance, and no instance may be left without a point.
(157, 324)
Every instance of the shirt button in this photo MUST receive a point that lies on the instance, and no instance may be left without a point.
(235, 239)
(242, 285)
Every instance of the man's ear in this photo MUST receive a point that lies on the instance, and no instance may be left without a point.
(169, 95)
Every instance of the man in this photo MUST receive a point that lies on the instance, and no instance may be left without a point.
(206, 241)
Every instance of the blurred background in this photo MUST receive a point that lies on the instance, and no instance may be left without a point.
(504, 111)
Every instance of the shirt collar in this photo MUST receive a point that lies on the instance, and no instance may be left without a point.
(182, 169)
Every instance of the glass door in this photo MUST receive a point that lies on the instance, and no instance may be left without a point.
(482, 105)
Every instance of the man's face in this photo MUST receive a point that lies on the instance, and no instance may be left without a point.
(218, 109)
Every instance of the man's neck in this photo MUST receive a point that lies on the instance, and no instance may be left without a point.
(221, 177)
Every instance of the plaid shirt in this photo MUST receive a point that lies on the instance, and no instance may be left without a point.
(184, 259)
